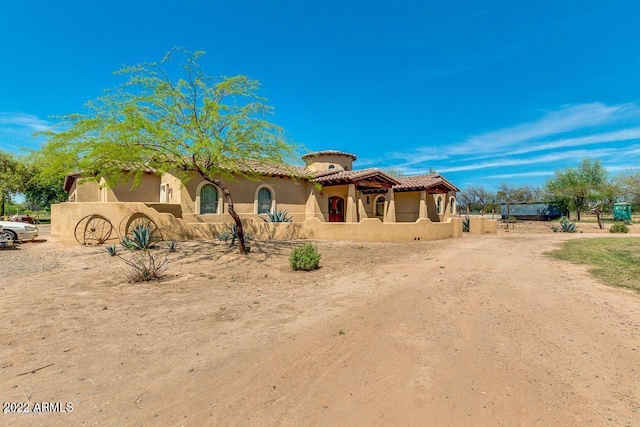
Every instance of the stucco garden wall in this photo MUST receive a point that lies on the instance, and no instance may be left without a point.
(374, 230)
(478, 225)
(65, 217)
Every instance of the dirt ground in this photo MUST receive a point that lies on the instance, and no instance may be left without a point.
(482, 330)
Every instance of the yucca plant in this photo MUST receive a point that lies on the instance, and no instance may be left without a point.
(278, 216)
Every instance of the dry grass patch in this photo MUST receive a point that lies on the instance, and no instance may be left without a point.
(615, 261)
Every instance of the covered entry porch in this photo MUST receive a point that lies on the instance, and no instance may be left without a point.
(351, 196)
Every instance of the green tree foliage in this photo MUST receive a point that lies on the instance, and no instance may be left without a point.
(476, 198)
(581, 187)
(629, 186)
(12, 178)
(193, 125)
(42, 189)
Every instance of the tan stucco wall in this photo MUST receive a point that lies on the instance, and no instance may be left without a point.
(175, 187)
(374, 230)
(322, 163)
(478, 225)
(299, 198)
(147, 190)
(407, 206)
(289, 194)
(85, 189)
(65, 217)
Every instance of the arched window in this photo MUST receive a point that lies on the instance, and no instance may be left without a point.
(439, 204)
(379, 208)
(265, 199)
(208, 199)
(452, 205)
(332, 167)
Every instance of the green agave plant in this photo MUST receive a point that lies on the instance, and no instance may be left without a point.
(278, 216)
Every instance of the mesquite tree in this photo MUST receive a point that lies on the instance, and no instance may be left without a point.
(193, 123)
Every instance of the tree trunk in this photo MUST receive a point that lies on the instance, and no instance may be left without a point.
(2, 200)
(578, 214)
(600, 222)
(232, 211)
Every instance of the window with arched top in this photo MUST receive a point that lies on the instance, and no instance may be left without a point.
(265, 199)
(452, 205)
(332, 167)
(379, 206)
(439, 204)
(208, 199)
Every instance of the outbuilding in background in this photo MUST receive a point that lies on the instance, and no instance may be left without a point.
(622, 211)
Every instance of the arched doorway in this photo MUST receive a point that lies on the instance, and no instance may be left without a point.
(336, 209)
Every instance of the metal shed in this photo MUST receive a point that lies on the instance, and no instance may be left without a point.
(531, 211)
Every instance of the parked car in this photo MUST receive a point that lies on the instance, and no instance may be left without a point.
(12, 230)
(23, 218)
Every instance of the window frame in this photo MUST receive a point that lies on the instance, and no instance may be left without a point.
(256, 204)
(220, 201)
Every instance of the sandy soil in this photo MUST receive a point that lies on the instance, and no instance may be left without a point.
(483, 330)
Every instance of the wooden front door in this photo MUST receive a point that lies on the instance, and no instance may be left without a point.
(336, 209)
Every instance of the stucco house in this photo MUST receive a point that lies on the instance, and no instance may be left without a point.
(326, 191)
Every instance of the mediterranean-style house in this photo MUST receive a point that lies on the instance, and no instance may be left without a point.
(326, 199)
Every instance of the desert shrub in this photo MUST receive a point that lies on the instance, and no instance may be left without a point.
(465, 224)
(619, 227)
(305, 257)
(141, 238)
(278, 216)
(145, 265)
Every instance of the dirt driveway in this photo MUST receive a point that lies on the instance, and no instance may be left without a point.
(483, 330)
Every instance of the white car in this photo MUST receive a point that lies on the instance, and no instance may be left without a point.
(10, 230)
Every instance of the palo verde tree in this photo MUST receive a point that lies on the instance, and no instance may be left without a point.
(580, 186)
(190, 125)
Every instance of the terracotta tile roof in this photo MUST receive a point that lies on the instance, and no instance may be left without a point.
(278, 170)
(329, 153)
(423, 182)
(342, 176)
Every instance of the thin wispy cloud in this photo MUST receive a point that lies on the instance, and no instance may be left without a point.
(633, 150)
(520, 175)
(17, 130)
(569, 119)
(619, 136)
(23, 121)
(559, 137)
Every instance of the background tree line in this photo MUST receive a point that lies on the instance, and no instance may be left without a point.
(25, 175)
(587, 187)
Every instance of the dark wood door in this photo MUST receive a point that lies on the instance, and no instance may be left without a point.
(336, 209)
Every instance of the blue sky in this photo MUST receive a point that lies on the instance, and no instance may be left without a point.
(484, 92)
